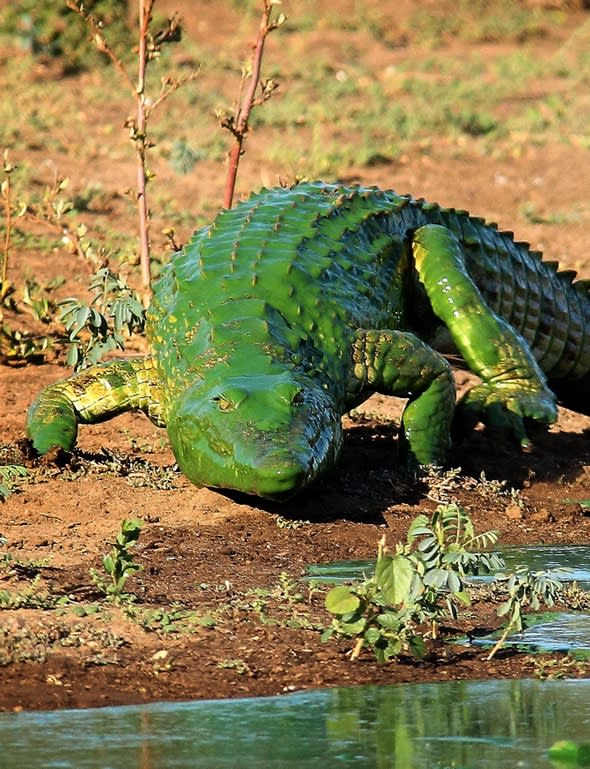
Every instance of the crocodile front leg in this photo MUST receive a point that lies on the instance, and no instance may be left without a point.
(93, 395)
(514, 387)
(398, 363)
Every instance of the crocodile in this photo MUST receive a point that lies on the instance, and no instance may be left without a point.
(297, 304)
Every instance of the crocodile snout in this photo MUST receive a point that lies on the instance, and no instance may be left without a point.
(261, 442)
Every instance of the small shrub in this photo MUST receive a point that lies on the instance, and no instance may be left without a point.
(119, 564)
(8, 475)
(418, 584)
(101, 325)
(525, 588)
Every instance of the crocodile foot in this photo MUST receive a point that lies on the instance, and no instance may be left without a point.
(505, 408)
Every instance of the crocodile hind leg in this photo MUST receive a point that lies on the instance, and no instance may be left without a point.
(398, 363)
(513, 386)
(93, 395)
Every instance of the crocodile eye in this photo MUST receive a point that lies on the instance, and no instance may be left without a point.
(231, 398)
(223, 404)
(297, 399)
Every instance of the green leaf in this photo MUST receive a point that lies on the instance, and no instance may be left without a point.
(393, 648)
(394, 575)
(453, 582)
(463, 596)
(419, 527)
(341, 600)
(73, 357)
(372, 635)
(389, 620)
(436, 578)
(417, 646)
(352, 628)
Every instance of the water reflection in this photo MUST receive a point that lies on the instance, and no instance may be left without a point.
(557, 631)
(500, 724)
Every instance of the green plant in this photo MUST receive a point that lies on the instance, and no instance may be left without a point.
(170, 620)
(525, 588)
(29, 597)
(552, 668)
(119, 564)
(419, 583)
(240, 666)
(8, 475)
(99, 326)
(380, 612)
(566, 754)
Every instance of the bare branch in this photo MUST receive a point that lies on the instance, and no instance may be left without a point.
(238, 123)
(6, 194)
(100, 41)
(139, 136)
(148, 49)
(169, 86)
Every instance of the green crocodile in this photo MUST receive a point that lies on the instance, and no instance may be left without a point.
(297, 304)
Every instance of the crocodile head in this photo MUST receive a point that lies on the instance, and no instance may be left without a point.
(269, 434)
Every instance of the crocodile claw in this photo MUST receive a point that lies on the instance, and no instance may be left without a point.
(505, 409)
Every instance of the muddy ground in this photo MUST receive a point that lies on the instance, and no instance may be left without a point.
(218, 608)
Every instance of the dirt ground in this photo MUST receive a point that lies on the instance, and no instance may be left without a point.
(218, 610)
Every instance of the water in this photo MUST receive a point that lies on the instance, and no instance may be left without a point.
(549, 632)
(465, 725)
(572, 561)
(564, 631)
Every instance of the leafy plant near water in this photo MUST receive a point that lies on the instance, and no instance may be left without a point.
(423, 580)
(525, 588)
(566, 754)
(418, 584)
(119, 564)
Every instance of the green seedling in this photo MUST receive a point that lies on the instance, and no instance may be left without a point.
(525, 588)
(101, 325)
(119, 564)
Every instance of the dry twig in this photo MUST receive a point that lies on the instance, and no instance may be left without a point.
(237, 123)
(149, 46)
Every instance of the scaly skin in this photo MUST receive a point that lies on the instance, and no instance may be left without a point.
(297, 304)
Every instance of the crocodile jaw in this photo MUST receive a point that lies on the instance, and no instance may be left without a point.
(259, 435)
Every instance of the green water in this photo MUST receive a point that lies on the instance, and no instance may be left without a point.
(465, 725)
(549, 632)
(572, 561)
(565, 631)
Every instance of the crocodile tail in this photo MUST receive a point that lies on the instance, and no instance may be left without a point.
(543, 303)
